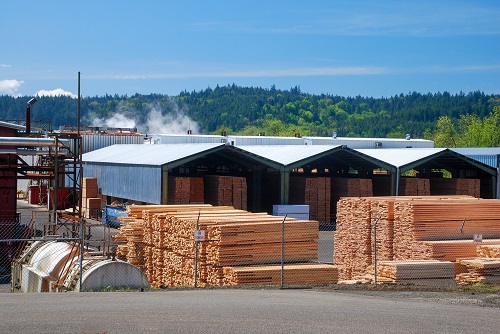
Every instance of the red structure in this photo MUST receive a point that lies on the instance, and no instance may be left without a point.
(8, 198)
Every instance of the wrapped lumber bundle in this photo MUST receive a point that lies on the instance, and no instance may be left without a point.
(271, 274)
(185, 190)
(418, 272)
(440, 186)
(480, 270)
(226, 190)
(352, 251)
(315, 192)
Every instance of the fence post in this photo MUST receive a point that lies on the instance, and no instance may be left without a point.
(283, 251)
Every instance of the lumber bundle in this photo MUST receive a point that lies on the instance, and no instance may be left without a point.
(412, 228)
(445, 186)
(232, 238)
(185, 190)
(91, 202)
(315, 192)
(480, 270)
(300, 274)
(489, 251)
(410, 186)
(413, 271)
(226, 190)
(349, 187)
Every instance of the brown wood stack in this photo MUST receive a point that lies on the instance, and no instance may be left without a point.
(349, 187)
(428, 272)
(480, 270)
(323, 274)
(233, 238)
(185, 190)
(315, 192)
(412, 228)
(445, 186)
(91, 202)
(409, 186)
(226, 190)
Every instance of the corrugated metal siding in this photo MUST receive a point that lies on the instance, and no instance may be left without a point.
(95, 142)
(365, 143)
(263, 140)
(184, 139)
(139, 183)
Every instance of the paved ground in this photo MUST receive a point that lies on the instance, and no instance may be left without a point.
(237, 311)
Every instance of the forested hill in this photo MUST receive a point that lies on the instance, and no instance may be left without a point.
(249, 110)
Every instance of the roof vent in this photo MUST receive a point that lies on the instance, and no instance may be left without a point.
(334, 135)
(407, 136)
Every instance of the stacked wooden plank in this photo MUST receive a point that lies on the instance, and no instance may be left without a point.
(91, 202)
(233, 238)
(323, 274)
(226, 190)
(411, 228)
(315, 192)
(349, 187)
(445, 186)
(427, 272)
(410, 186)
(185, 190)
(480, 270)
(489, 251)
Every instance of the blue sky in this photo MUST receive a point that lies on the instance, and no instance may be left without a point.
(347, 48)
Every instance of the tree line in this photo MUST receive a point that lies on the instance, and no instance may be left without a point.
(450, 120)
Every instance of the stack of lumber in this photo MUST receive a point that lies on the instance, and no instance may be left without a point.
(315, 192)
(323, 274)
(480, 270)
(489, 251)
(440, 186)
(349, 187)
(411, 228)
(232, 238)
(91, 202)
(409, 186)
(426, 272)
(185, 190)
(226, 190)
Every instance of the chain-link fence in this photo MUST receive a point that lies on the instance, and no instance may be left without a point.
(411, 241)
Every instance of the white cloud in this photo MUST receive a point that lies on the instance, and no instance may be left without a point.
(5, 66)
(56, 92)
(10, 87)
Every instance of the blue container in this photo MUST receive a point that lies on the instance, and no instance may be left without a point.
(110, 215)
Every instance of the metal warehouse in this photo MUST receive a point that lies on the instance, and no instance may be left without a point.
(281, 174)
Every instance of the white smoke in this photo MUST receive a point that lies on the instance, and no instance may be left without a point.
(155, 122)
(56, 92)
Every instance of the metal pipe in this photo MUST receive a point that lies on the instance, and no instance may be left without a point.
(31, 142)
(21, 151)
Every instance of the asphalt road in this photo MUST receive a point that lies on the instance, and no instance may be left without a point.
(237, 311)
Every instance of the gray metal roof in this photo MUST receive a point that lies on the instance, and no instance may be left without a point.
(153, 155)
(477, 150)
(287, 154)
(399, 157)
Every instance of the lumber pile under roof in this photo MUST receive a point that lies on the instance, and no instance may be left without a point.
(447, 186)
(226, 190)
(233, 238)
(315, 192)
(185, 190)
(411, 228)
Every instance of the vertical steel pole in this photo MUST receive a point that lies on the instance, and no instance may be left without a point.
(82, 239)
(196, 255)
(283, 251)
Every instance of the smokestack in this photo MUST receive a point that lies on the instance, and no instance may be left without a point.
(28, 115)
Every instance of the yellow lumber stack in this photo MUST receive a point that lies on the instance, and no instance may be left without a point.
(429, 271)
